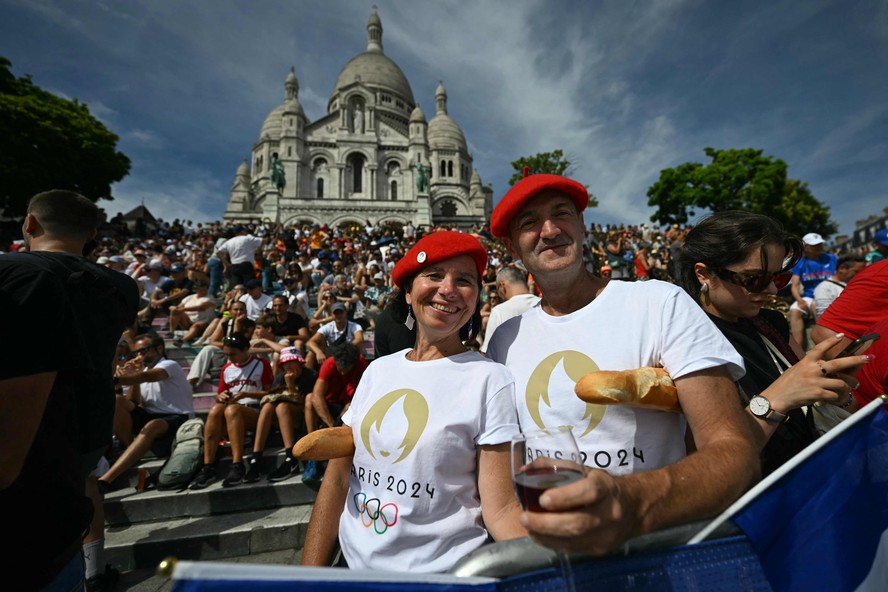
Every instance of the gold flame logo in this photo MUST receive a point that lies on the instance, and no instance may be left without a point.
(416, 410)
(576, 365)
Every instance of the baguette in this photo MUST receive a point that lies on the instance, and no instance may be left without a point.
(650, 388)
(325, 444)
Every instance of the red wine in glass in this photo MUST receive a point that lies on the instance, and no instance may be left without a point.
(530, 484)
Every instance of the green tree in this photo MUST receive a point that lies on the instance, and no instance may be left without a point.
(47, 142)
(743, 179)
(552, 163)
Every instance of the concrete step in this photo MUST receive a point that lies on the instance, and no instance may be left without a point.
(143, 546)
(213, 523)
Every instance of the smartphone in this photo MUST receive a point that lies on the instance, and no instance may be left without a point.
(859, 345)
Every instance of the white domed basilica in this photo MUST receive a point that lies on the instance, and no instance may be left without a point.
(372, 157)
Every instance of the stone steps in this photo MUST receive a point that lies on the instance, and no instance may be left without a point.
(215, 523)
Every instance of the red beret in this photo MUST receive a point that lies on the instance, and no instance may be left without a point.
(435, 247)
(525, 190)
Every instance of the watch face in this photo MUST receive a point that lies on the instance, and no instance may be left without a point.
(759, 406)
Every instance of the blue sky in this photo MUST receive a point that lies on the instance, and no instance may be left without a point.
(625, 88)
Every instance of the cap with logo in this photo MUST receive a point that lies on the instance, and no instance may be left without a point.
(291, 354)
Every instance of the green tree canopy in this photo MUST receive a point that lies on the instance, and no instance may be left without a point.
(743, 179)
(552, 163)
(47, 142)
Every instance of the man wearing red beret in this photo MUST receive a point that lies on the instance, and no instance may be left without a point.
(646, 480)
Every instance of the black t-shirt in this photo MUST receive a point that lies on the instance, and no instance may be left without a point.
(45, 510)
(291, 326)
(306, 382)
(105, 303)
(391, 335)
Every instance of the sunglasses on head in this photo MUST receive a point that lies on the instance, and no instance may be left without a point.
(755, 282)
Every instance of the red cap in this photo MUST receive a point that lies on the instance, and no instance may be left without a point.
(435, 247)
(525, 190)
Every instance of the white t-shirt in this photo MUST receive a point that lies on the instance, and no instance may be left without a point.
(171, 395)
(825, 293)
(413, 502)
(242, 248)
(149, 286)
(255, 307)
(629, 325)
(206, 315)
(504, 311)
(331, 333)
(251, 377)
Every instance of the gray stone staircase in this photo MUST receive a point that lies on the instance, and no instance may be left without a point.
(216, 523)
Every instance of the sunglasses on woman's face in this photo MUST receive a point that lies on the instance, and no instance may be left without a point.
(756, 282)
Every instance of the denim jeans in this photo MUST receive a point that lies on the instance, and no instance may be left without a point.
(214, 265)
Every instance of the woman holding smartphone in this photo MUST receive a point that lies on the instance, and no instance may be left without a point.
(733, 264)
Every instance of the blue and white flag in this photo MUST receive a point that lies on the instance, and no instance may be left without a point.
(190, 576)
(821, 521)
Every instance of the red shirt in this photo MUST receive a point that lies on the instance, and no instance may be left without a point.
(873, 376)
(341, 387)
(861, 305)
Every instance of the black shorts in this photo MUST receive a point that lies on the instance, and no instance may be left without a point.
(335, 412)
(141, 417)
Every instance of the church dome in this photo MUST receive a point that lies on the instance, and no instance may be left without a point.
(272, 125)
(274, 122)
(443, 131)
(373, 68)
(417, 116)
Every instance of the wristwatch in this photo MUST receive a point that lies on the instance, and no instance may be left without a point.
(761, 408)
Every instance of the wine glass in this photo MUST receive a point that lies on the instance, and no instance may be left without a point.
(542, 460)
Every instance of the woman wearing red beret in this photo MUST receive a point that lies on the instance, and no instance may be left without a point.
(430, 479)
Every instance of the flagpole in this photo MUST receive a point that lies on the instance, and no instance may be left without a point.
(808, 452)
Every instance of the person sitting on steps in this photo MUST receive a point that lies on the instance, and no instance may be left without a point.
(285, 407)
(244, 381)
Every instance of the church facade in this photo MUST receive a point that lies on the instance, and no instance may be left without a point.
(372, 157)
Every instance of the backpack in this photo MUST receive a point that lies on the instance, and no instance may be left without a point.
(186, 457)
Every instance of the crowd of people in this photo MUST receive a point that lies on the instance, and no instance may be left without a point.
(460, 340)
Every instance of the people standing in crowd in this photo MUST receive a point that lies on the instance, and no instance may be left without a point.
(244, 381)
(511, 285)
(733, 263)
(646, 480)
(828, 290)
(458, 413)
(56, 410)
(238, 255)
(815, 267)
(159, 401)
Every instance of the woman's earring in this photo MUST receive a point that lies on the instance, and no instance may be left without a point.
(409, 321)
(470, 329)
(704, 289)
